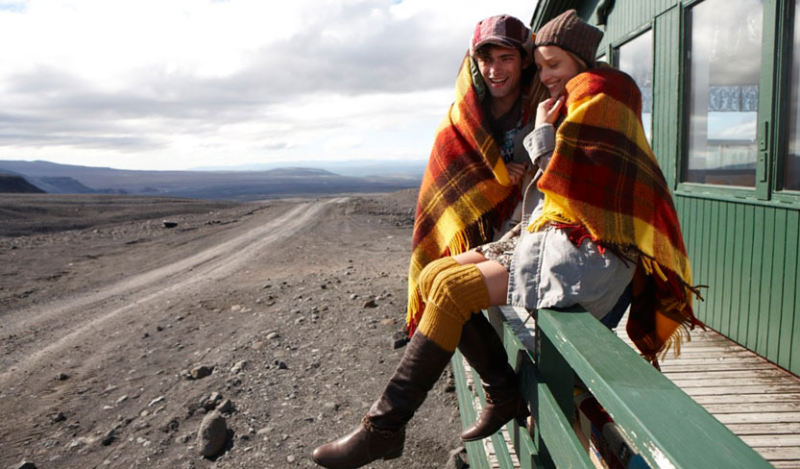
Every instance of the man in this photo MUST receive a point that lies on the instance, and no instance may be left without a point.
(470, 189)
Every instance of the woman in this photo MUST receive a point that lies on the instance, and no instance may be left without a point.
(561, 259)
(607, 220)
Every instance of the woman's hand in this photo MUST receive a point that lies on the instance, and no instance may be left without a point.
(547, 112)
(516, 171)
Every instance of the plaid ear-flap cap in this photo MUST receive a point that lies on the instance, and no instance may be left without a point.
(505, 31)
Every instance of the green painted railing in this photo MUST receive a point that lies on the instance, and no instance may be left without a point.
(663, 425)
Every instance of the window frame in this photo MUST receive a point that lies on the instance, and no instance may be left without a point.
(786, 12)
(760, 189)
(613, 53)
(772, 131)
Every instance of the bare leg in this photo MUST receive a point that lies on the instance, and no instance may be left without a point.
(495, 276)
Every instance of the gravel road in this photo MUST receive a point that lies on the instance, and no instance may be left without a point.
(119, 337)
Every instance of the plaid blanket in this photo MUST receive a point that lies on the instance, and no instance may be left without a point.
(603, 180)
(465, 193)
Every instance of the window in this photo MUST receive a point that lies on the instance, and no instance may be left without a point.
(724, 69)
(791, 164)
(635, 58)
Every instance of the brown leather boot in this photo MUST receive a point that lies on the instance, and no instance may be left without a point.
(485, 353)
(381, 434)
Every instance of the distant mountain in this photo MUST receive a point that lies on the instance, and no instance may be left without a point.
(12, 183)
(62, 185)
(237, 185)
(390, 168)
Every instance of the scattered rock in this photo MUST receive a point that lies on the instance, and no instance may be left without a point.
(169, 224)
(211, 401)
(458, 459)
(109, 437)
(388, 322)
(75, 444)
(399, 339)
(58, 417)
(281, 365)
(331, 406)
(26, 465)
(353, 296)
(226, 406)
(273, 335)
(201, 371)
(371, 304)
(450, 382)
(171, 426)
(264, 431)
(62, 376)
(157, 400)
(121, 399)
(212, 435)
(238, 366)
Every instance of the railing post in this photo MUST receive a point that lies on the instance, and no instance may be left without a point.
(556, 373)
(558, 376)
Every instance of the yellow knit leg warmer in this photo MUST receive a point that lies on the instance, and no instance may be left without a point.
(455, 293)
(429, 273)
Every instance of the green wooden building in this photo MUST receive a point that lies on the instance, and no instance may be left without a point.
(720, 83)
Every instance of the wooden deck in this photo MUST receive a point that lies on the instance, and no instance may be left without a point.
(755, 399)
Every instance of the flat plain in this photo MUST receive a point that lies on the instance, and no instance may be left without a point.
(109, 320)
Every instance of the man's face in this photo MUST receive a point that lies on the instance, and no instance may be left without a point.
(556, 67)
(501, 68)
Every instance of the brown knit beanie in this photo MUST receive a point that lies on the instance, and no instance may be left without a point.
(569, 32)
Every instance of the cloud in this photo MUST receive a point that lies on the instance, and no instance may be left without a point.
(242, 77)
(13, 7)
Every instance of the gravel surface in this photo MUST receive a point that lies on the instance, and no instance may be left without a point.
(243, 336)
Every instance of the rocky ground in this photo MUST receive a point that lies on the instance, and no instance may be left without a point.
(120, 337)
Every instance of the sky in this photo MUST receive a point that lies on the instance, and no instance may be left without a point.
(182, 84)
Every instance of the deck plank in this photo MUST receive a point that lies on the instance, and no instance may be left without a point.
(755, 399)
(733, 408)
(743, 399)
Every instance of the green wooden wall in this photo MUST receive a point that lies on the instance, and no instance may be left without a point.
(746, 251)
(748, 255)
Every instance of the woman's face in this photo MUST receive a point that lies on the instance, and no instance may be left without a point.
(556, 66)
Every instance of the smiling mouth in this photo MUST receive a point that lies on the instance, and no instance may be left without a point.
(496, 82)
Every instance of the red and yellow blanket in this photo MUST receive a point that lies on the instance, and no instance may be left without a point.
(465, 193)
(604, 178)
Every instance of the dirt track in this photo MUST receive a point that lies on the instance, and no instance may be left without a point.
(100, 325)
